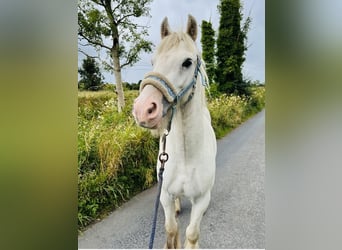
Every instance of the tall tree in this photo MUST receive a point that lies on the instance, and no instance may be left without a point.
(90, 74)
(109, 25)
(231, 47)
(208, 48)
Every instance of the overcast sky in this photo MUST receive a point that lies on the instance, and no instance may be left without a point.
(177, 13)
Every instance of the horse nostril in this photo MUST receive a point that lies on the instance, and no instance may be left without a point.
(152, 111)
(153, 108)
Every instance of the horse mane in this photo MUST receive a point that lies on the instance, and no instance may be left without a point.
(204, 81)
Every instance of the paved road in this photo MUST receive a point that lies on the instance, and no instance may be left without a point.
(235, 217)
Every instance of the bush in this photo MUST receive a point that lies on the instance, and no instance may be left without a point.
(125, 165)
(227, 112)
(116, 158)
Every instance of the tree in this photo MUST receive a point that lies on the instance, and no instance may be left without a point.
(109, 25)
(231, 47)
(208, 48)
(90, 74)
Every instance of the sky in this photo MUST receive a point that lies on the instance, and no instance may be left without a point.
(177, 13)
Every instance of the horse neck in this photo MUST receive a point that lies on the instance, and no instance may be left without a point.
(192, 112)
(188, 121)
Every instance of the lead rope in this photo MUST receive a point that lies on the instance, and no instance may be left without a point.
(163, 157)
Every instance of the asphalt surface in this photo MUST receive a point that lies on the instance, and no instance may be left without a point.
(236, 214)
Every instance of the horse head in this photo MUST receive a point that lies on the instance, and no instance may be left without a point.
(175, 67)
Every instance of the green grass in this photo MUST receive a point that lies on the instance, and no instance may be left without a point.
(116, 158)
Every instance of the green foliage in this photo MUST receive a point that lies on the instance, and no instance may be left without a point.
(228, 111)
(98, 20)
(110, 25)
(109, 87)
(256, 99)
(116, 158)
(131, 86)
(208, 48)
(231, 48)
(91, 77)
(213, 91)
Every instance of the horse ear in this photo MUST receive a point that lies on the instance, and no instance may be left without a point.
(165, 28)
(192, 27)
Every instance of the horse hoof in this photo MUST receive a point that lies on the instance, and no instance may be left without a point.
(191, 246)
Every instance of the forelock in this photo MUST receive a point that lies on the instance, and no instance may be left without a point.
(173, 40)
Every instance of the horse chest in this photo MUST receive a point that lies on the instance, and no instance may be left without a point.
(183, 181)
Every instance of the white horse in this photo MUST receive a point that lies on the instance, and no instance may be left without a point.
(172, 97)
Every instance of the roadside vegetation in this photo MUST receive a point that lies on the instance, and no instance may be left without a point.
(116, 158)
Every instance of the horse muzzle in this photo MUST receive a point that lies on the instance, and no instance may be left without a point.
(148, 108)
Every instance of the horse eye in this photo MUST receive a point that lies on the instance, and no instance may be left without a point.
(187, 63)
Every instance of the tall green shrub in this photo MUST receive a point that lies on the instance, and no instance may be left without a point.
(208, 48)
(231, 48)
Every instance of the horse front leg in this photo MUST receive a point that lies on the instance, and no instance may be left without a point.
(199, 206)
(171, 226)
(177, 206)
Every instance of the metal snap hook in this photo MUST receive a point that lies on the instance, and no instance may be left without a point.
(163, 157)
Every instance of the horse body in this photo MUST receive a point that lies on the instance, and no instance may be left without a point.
(191, 143)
